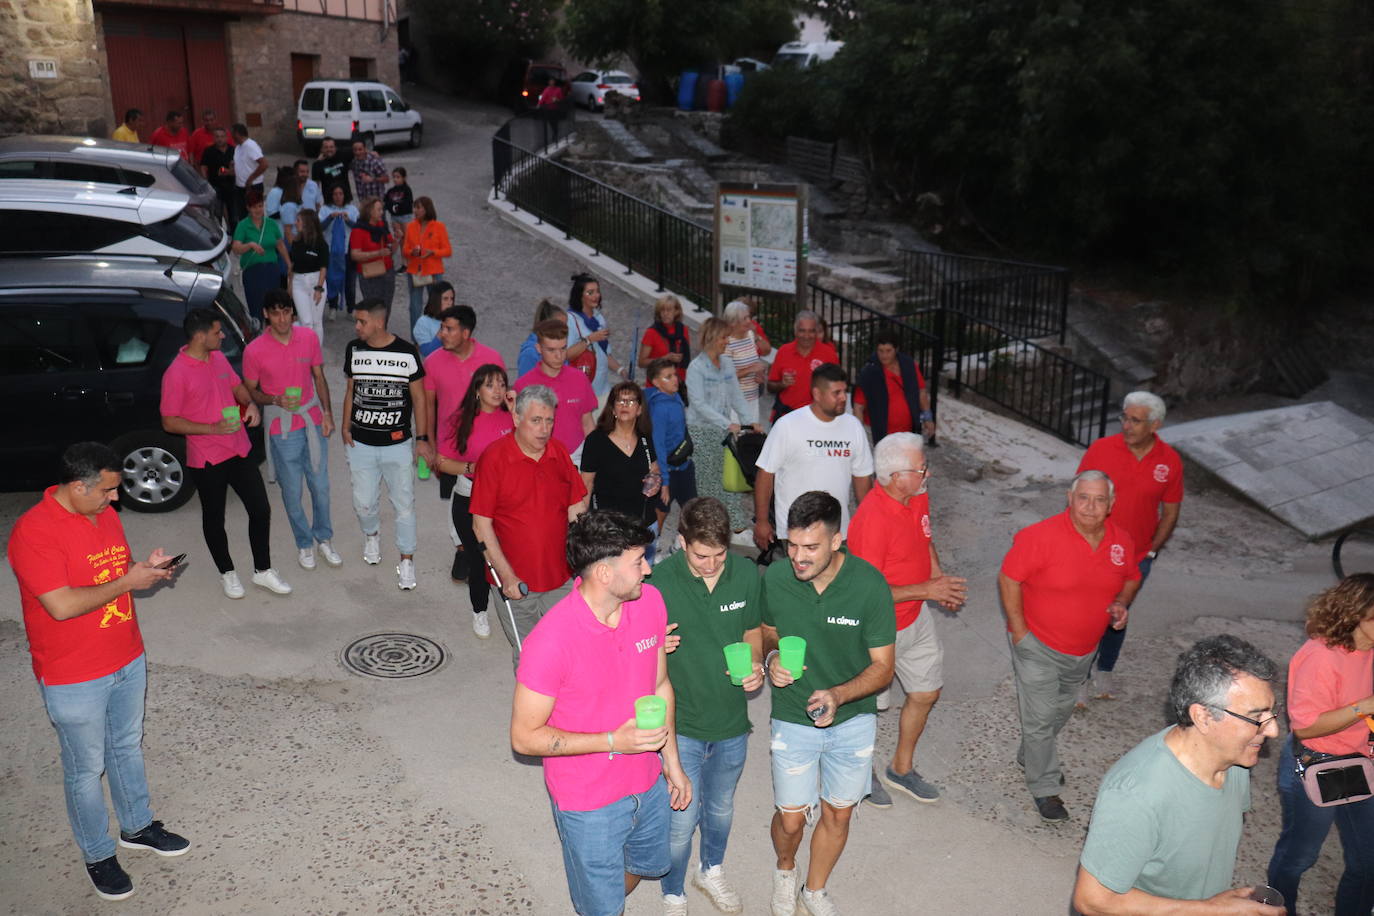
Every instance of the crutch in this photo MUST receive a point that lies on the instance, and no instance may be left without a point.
(500, 590)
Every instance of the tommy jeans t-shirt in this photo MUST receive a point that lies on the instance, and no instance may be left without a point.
(853, 614)
(594, 674)
(805, 453)
(381, 378)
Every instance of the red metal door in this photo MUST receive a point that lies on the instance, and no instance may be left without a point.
(208, 71)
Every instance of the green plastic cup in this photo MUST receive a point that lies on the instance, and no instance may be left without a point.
(232, 415)
(651, 712)
(739, 658)
(294, 391)
(792, 655)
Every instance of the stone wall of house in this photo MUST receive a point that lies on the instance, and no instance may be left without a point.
(77, 100)
(260, 50)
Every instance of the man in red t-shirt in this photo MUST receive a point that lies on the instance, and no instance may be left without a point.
(173, 134)
(790, 377)
(525, 491)
(75, 577)
(203, 137)
(891, 530)
(1148, 476)
(1063, 582)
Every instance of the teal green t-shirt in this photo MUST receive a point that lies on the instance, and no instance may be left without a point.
(267, 237)
(1159, 828)
(709, 707)
(853, 614)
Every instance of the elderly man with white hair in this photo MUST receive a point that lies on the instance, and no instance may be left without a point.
(1064, 581)
(525, 491)
(891, 530)
(1148, 476)
(747, 348)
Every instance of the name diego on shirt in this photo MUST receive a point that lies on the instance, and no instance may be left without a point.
(644, 644)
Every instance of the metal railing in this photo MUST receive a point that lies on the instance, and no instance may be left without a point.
(1036, 384)
(673, 252)
(1027, 300)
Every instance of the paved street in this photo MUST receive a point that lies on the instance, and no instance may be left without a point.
(307, 789)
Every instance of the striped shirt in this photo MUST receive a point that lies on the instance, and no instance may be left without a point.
(745, 352)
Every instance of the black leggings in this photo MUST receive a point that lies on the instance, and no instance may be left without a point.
(212, 482)
(478, 587)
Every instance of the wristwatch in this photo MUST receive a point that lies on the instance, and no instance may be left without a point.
(319, 289)
(422, 438)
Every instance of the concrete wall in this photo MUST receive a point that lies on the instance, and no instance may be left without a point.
(260, 50)
(68, 32)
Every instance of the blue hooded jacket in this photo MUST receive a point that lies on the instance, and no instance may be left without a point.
(669, 419)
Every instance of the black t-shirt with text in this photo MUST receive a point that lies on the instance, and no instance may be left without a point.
(306, 257)
(399, 200)
(381, 378)
(330, 172)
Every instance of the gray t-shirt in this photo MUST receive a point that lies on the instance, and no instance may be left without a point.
(1159, 828)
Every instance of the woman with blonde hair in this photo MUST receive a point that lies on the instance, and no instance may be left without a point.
(747, 348)
(1330, 713)
(668, 337)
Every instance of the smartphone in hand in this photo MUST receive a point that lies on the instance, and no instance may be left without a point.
(174, 562)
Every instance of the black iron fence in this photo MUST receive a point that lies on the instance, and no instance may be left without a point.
(673, 252)
(1027, 300)
(973, 313)
(1036, 384)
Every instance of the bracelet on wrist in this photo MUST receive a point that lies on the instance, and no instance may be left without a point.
(769, 660)
(610, 744)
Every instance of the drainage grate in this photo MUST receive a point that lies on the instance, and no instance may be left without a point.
(394, 655)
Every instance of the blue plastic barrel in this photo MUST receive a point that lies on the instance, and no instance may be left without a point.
(687, 90)
(734, 82)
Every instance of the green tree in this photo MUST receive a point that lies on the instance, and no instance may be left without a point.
(477, 39)
(663, 38)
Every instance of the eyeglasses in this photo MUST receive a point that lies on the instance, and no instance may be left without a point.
(1260, 724)
(627, 402)
(924, 472)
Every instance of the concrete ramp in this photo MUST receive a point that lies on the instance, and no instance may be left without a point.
(1311, 465)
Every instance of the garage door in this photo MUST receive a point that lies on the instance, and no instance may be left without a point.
(164, 62)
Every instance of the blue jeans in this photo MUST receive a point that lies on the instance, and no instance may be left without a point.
(370, 465)
(291, 457)
(714, 767)
(600, 846)
(1305, 827)
(419, 295)
(1109, 649)
(100, 729)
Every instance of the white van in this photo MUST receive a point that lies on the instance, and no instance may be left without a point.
(50, 217)
(341, 108)
(801, 55)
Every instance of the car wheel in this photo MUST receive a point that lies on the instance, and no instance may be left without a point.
(416, 135)
(153, 474)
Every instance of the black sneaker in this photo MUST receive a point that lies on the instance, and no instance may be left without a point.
(155, 838)
(111, 881)
(1051, 808)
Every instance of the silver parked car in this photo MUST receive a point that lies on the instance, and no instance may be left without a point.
(114, 162)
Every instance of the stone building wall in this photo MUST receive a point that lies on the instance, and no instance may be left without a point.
(78, 100)
(260, 50)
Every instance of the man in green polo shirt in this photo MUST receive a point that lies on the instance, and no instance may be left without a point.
(824, 716)
(714, 598)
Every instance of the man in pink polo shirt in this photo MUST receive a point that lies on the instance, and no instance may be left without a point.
(283, 371)
(1064, 581)
(198, 389)
(1148, 476)
(448, 372)
(584, 665)
(576, 398)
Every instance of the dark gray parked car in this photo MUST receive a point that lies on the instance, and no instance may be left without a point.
(84, 341)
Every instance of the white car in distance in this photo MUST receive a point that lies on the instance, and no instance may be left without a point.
(590, 88)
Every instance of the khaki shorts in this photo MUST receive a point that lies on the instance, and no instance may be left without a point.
(920, 659)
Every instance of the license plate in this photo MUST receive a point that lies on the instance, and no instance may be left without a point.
(314, 131)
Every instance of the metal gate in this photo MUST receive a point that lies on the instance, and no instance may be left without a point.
(161, 62)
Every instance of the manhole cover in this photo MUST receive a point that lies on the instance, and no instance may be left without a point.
(394, 655)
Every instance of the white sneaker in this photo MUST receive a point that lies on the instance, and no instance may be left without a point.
(331, 556)
(481, 624)
(674, 905)
(272, 581)
(712, 883)
(784, 892)
(233, 588)
(817, 903)
(405, 574)
(372, 549)
(306, 558)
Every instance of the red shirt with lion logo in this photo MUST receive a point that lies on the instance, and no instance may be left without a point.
(52, 547)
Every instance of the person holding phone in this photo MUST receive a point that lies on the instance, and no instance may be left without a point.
(76, 577)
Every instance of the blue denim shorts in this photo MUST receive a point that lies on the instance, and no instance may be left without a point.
(834, 763)
(600, 846)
